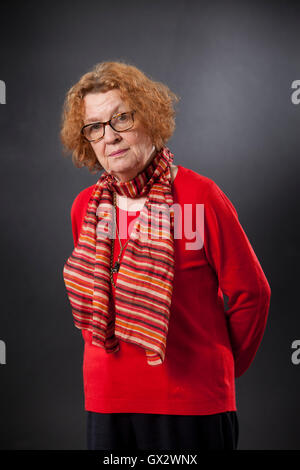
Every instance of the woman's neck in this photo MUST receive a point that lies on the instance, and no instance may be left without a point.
(131, 175)
(136, 204)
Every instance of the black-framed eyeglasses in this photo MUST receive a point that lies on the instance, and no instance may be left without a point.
(121, 122)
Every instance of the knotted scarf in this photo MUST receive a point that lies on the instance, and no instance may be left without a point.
(145, 279)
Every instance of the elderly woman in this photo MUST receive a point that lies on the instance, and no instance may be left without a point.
(157, 248)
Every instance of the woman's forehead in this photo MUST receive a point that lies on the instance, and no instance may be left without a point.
(100, 105)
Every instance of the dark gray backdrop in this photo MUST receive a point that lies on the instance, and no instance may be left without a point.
(232, 63)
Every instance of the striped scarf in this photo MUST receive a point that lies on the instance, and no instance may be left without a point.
(145, 279)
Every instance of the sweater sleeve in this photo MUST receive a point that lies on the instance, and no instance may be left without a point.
(240, 277)
(78, 211)
(74, 221)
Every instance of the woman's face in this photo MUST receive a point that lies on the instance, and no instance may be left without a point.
(136, 145)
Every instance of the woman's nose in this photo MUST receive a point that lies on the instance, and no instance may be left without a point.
(110, 135)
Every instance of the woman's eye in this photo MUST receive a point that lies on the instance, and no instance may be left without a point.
(95, 127)
(122, 117)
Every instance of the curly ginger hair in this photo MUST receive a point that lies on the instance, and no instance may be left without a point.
(152, 100)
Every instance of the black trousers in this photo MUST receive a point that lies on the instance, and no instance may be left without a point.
(139, 431)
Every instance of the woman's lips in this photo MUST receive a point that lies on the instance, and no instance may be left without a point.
(119, 152)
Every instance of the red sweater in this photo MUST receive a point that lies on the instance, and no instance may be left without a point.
(207, 345)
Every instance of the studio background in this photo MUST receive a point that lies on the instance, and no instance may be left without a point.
(233, 64)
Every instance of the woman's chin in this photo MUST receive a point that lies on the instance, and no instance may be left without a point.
(123, 172)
